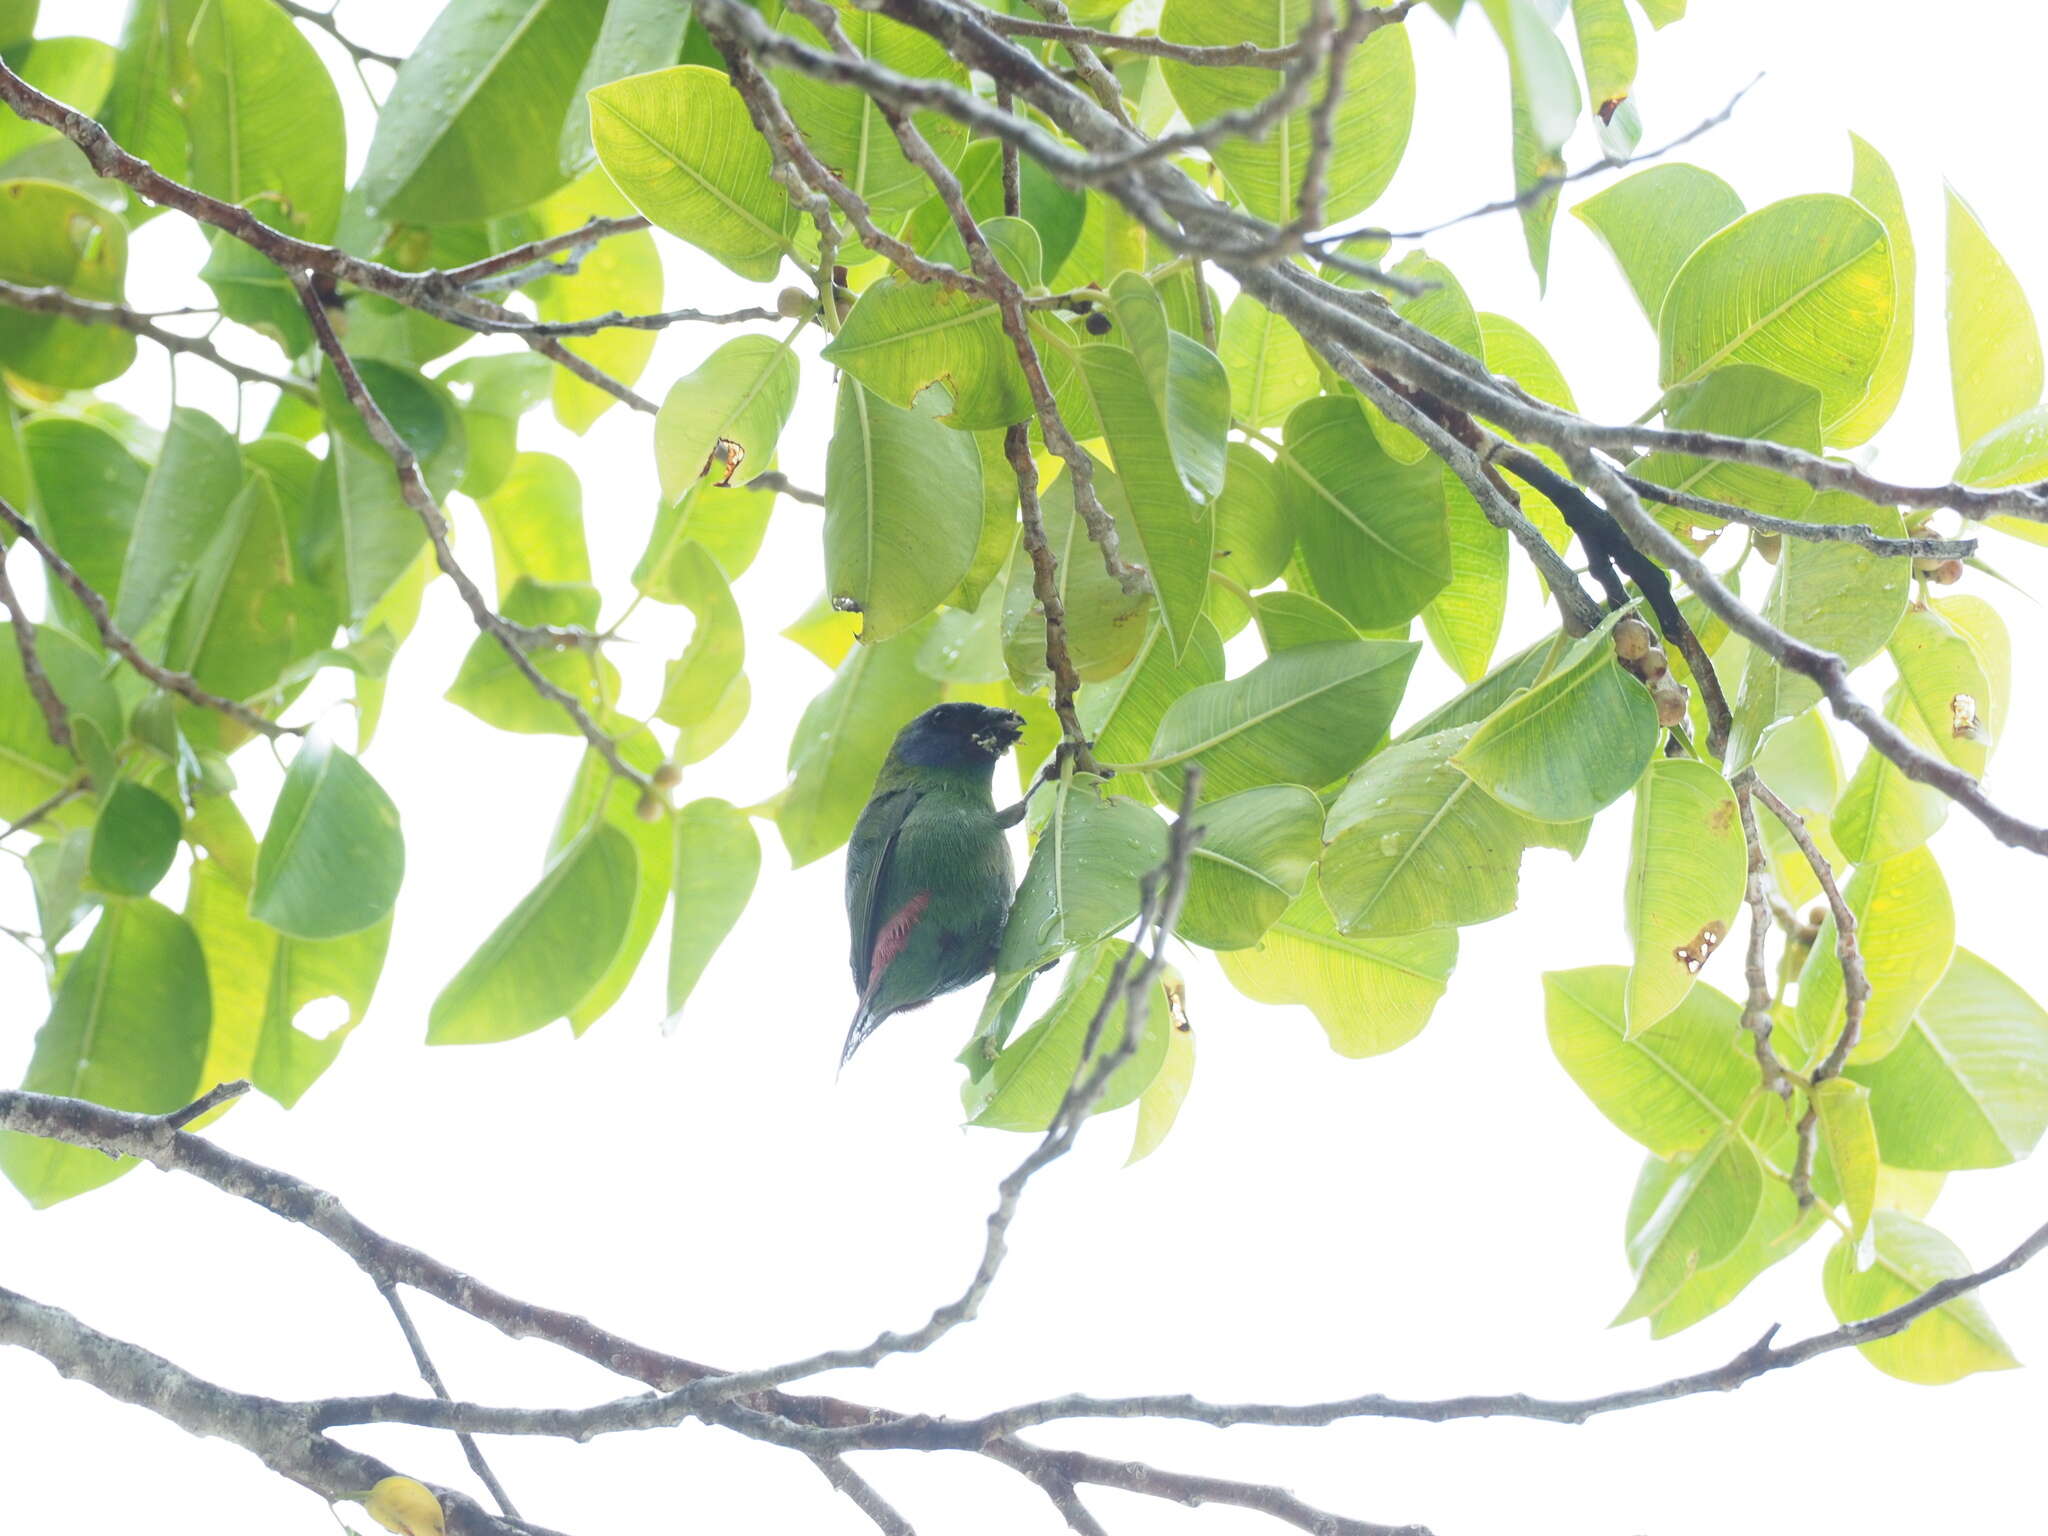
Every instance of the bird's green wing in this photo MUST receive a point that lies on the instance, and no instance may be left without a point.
(867, 866)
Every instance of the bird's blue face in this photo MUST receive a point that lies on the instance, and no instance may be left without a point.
(958, 736)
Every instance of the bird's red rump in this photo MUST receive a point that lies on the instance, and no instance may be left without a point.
(895, 934)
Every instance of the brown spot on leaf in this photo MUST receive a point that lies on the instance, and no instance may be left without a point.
(1696, 954)
(1962, 719)
(1609, 107)
(1723, 815)
(728, 455)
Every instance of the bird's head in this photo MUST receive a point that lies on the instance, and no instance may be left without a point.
(958, 735)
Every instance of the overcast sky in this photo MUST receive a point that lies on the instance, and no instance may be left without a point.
(1443, 1219)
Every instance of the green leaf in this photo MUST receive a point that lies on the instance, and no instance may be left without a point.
(1082, 883)
(1159, 1105)
(1416, 844)
(1672, 1088)
(1463, 620)
(1687, 871)
(1835, 596)
(133, 841)
(198, 472)
(1288, 619)
(471, 127)
(966, 647)
(1306, 716)
(262, 980)
(620, 273)
(1662, 13)
(264, 115)
(1174, 534)
(700, 678)
(1374, 533)
(845, 125)
(903, 508)
(1705, 1213)
(1906, 931)
(743, 392)
(680, 145)
(842, 740)
(1257, 849)
(1994, 348)
(1967, 1084)
(998, 534)
(597, 797)
(1803, 287)
(1947, 1344)
(1105, 624)
(1544, 100)
(141, 110)
(637, 35)
(332, 858)
(536, 520)
(824, 632)
(717, 859)
(1876, 188)
(1370, 128)
(1652, 221)
(1776, 1232)
(550, 952)
(901, 337)
(1025, 1085)
(1254, 528)
(1122, 714)
(128, 1030)
(494, 689)
(90, 487)
(53, 237)
(1607, 49)
(1271, 370)
(1850, 1137)
(1738, 401)
(1369, 994)
(1573, 743)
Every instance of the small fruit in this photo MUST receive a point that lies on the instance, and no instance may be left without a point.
(794, 303)
(1633, 639)
(1947, 574)
(1671, 697)
(1652, 665)
(667, 776)
(649, 807)
(1098, 324)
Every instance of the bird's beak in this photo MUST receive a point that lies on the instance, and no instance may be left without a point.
(1003, 733)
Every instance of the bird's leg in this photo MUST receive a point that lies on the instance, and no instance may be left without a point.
(1010, 815)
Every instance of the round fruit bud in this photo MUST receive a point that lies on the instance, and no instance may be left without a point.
(1081, 306)
(795, 303)
(650, 807)
(1671, 696)
(1632, 639)
(1652, 665)
(1098, 325)
(1948, 573)
(215, 775)
(667, 776)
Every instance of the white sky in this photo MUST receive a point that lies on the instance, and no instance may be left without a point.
(1444, 1219)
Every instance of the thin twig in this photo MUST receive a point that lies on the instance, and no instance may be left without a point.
(180, 683)
(56, 720)
(775, 480)
(432, 1377)
(55, 301)
(324, 20)
(1860, 534)
(1756, 1012)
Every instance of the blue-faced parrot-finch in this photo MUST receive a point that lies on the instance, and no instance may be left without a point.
(928, 874)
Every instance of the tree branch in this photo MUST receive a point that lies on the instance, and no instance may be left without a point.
(325, 21)
(55, 718)
(513, 639)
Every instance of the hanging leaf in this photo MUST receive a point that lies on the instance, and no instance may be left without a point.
(128, 1030)
(332, 857)
(550, 951)
(1703, 1217)
(1369, 994)
(903, 504)
(1687, 870)
(717, 859)
(456, 139)
(1906, 931)
(1023, 1088)
(1652, 221)
(1257, 849)
(1949, 1343)
(1994, 348)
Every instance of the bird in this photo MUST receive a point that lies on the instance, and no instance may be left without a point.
(928, 871)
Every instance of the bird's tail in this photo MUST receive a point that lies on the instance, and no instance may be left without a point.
(864, 1024)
